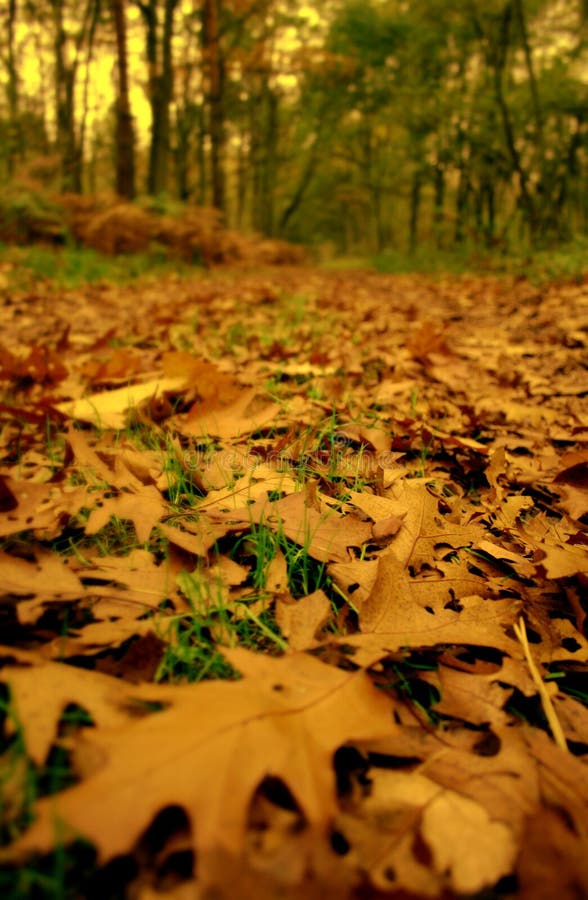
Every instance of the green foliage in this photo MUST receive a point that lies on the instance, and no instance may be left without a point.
(194, 640)
(559, 262)
(28, 215)
(72, 266)
(425, 260)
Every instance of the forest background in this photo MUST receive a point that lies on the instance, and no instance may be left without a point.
(371, 127)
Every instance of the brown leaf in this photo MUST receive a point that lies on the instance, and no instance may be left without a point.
(47, 576)
(425, 528)
(41, 508)
(391, 618)
(42, 690)
(562, 562)
(326, 536)
(108, 409)
(300, 620)
(208, 751)
(467, 845)
(144, 508)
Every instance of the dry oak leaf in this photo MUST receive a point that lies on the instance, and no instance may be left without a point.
(326, 536)
(241, 416)
(114, 462)
(468, 851)
(41, 690)
(197, 538)
(259, 480)
(466, 844)
(433, 587)
(476, 699)
(574, 500)
(136, 578)
(98, 636)
(299, 620)
(108, 409)
(424, 527)
(515, 561)
(42, 508)
(391, 618)
(47, 576)
(209, 750)
(561, 562)
(144, 507)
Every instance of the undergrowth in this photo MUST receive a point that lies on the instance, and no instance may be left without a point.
(71, 267)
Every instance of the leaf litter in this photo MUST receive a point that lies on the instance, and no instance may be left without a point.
(305, 553)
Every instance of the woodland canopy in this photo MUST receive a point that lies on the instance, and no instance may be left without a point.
(345, 125)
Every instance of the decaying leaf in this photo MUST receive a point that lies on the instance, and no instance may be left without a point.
(285, 719)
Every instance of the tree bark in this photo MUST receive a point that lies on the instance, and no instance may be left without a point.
(64, 105)
(270, 166)
(15, 143)
(214, 68)
(415, 202)
(160, 82)
(306, 176)
(125, 138)
(438, 201)
(519, 12)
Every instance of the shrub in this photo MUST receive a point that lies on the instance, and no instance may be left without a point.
(27, 216)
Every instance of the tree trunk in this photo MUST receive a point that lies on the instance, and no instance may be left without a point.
(519, 12)
(159, 62)
(15, 143)
(71, 179)
(461, 203)
(438, 202)
(306, 176)
(242, 173)
(125, 138)
(270, 162)
(415, 202)
(214, 68)
(90, 24)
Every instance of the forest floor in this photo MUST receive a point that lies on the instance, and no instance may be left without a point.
(294, 569)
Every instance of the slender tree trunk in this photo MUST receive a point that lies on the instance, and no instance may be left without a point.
(438, 202)
(496, 55)
(166, 86)
(125, 138)
(270, 165)
(149, 12)
(182, 152)
(306, 177)
(64, 105)
(15, 143)
(519, 13)
(92, 16)
(461, 203)
(490, 212)
(255, 166)
(201, 156)
(242, 171)
(160, 74)
(67, 51)
(214, 67)
(415, 202)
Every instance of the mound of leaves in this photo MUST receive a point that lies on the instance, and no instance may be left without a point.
(28, 216)
(31, 212)
(294, 588)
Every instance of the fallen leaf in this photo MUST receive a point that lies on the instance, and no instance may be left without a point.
(300, 620)
(285, 718)
(108, 409)
(467, 845)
